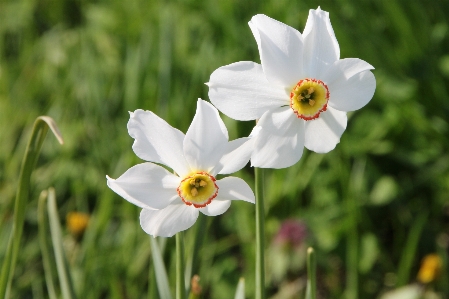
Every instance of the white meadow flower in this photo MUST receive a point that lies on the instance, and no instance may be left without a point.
(300, 92)
(171, 202)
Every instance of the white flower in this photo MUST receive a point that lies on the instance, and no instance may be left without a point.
(171, 202)
(300, 93)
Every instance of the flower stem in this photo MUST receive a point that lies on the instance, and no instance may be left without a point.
(311, 274)
(192, 262)
(152, 289)
(352, 258)
(180, 278)
(354, 192)
(260, 234)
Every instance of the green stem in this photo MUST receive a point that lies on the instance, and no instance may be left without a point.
(193, 261)
(180, 276)
(38, 134)
(311, 274)
(152, 288)
(354, 191)
(260, 234)
(409, 252)
(352, 249)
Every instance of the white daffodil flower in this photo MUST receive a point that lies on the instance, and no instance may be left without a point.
(171, 202)
(300, 93)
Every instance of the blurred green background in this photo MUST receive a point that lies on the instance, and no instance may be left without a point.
(372, 208)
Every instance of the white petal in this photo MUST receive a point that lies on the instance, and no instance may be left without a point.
(280, 140)
(146, 185)
(157, 141)
(168, 221)
(321, 48)
(280, 48)
(323, 133)
(241, 91)
(237, 155)
(343, 69)
(254, 131)
(354, 93)
(206, 138)
(233, 188)
(216, 207)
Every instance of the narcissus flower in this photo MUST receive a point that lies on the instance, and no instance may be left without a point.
(300, 92)
(172, 202)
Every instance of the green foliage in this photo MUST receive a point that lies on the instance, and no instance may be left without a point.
(87, 63)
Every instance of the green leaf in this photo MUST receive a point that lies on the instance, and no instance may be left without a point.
(65, 280)
(43, 243)
(410, 248)
(240, 292)
(159, 269)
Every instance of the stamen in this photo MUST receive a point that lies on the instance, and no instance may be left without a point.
(198, 189)
(309, 98)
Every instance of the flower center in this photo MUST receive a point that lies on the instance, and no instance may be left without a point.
(198, 189)
(309, 98)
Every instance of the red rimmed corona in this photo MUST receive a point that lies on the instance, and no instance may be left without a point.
(198, 189)
(309, 98)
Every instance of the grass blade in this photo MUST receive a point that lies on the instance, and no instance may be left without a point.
(46, 254)
(240, 292)
(56, 237)
(406, 262)
(160, 271)
(40, 128)
(311, 274)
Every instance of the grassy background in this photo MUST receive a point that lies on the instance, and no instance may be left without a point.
(87, 63)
